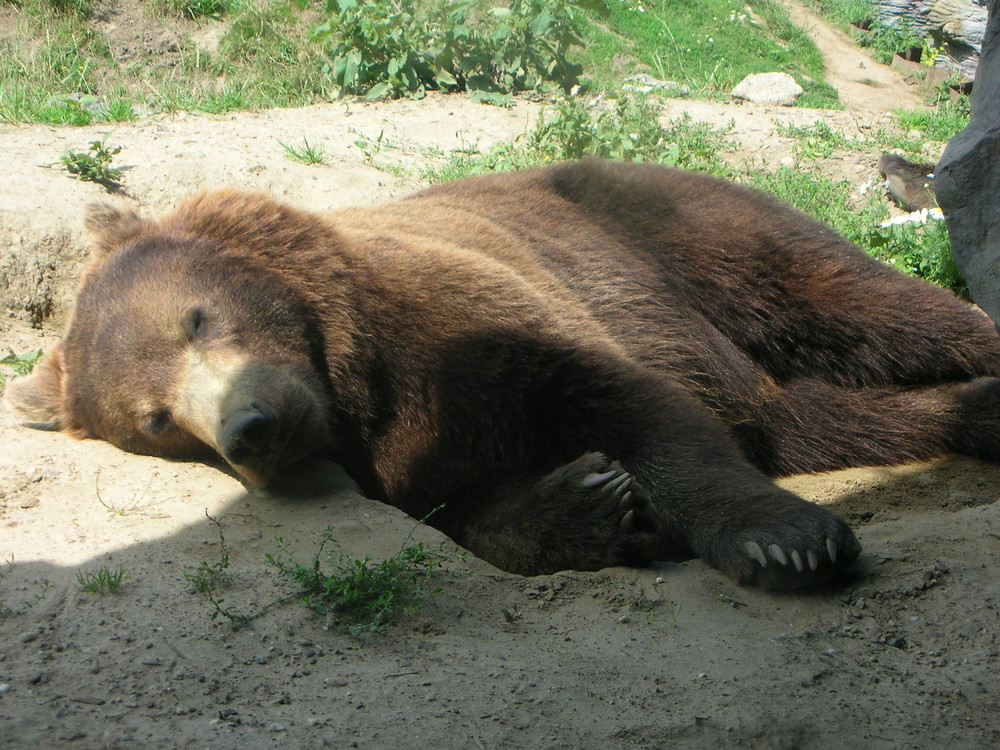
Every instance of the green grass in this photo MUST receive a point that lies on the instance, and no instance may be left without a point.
(708, 45)
(943, 122)
(59, 68)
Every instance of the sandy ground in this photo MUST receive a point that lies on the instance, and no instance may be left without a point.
(904, 655)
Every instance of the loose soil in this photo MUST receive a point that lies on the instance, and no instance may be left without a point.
(904, 655)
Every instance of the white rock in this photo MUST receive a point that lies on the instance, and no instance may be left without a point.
(768, 88)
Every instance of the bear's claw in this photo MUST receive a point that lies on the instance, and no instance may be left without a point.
(754, 550)
(593, 479)
(627, 524)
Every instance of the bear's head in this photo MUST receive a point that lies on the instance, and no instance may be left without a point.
(180, 347)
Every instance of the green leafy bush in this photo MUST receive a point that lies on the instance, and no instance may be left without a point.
(407, 47)
(630, 130)
(886, 39)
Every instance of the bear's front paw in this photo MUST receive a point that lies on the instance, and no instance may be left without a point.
(599, 515)
(796, 548)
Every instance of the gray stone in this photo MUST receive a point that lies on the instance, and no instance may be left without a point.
(956, 26)
(967, 180)
(768, 88)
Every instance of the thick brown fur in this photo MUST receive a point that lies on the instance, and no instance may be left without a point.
(587, 364)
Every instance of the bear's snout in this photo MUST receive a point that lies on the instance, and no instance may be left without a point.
(247, 433)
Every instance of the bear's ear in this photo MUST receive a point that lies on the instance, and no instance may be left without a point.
(36, 399)
(113, 227)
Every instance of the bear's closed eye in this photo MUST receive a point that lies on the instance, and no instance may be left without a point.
(158, 422)
(195, 324)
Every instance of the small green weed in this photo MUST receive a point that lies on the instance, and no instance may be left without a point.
(210, 578)
(372, 147)
(7, 610)
(307, 153)
(134, 504)
(21, 364)
(104, 580)
(94, 166)
(364, 595)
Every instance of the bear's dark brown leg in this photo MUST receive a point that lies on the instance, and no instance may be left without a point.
(516, 493)
(709, 500)
(814, 426)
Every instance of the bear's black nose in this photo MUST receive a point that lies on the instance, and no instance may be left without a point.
(246, 433)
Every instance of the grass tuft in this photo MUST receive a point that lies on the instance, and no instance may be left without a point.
(104, 580)
(307, 153)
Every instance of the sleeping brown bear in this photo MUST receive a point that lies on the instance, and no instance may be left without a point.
(588, 364)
